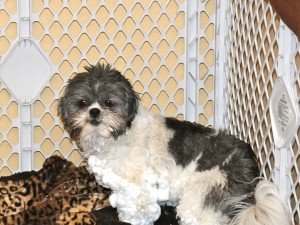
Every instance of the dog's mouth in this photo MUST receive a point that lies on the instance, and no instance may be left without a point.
(94, 122)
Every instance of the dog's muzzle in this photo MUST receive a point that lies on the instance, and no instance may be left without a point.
(94, 114)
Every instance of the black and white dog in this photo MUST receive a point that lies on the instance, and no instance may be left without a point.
(149, 160)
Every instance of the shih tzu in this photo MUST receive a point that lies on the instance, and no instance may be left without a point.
(148, 160)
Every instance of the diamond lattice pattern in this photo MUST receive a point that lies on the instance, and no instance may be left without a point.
(9, 109)
(143, 39)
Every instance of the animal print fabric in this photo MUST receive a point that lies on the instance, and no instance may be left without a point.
(59, 193)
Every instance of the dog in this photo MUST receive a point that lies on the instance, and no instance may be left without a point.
(148, 160)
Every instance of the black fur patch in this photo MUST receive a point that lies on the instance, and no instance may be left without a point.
(232, 156)
(189, 140)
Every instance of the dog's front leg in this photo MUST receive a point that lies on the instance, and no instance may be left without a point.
(135, 200)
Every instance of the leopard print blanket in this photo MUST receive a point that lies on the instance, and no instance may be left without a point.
(59, 193)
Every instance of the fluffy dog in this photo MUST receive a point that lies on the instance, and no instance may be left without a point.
(149, 160)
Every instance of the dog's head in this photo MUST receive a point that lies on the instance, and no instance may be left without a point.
(99, 101)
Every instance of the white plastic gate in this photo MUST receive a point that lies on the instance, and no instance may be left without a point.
(217, 62)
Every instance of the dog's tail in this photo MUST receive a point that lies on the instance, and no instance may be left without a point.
(267, 210)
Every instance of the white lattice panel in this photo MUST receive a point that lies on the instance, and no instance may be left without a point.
(211, 61)
(9, 108)
(200, 61)
(251, 76)
(143, 39)
(9, 132)
(146, 40)
(294, 169)
(257, 48)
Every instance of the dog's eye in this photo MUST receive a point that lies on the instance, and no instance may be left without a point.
(82, 103)
(108, 103)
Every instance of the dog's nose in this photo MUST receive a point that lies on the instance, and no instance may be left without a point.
(94, 112)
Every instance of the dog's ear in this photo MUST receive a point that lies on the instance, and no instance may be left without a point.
(64, 116)
(62, 107)
(132, 105)
(62, 112)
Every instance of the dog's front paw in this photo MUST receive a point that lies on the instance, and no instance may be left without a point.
(188, 220)
(138, 213)
(135, 205)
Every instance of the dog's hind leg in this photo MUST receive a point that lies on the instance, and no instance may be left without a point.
(191, 212)
(200, 198)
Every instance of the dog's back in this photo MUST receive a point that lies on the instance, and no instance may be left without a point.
(242, 197)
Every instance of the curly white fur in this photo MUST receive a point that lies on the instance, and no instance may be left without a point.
(135, 204)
